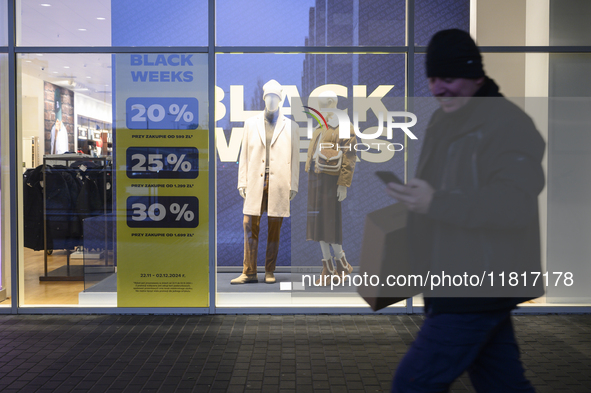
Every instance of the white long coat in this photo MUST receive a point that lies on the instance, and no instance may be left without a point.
(284, 166)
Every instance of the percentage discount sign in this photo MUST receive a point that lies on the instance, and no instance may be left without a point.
(181, 112)
(162, 212)
(182, 212)
(161, 113)
(178, 162)
(162, 162)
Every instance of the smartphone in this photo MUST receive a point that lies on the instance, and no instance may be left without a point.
(389, 177)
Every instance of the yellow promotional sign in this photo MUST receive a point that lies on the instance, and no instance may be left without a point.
(162, 166)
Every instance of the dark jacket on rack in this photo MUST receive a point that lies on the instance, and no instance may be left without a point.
(73, 194)
(484, 161)
(33, 208)
(62, 190)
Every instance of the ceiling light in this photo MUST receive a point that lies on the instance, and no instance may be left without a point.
(65, 83)
(66, 66)
(55, 72)
(45, 5)
(100, 18)
(27, 61)
(81, 29)
(88, 77)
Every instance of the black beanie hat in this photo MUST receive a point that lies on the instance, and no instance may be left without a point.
(453, 54)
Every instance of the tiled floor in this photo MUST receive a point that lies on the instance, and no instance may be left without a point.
(236, 353)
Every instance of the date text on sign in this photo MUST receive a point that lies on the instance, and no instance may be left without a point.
(162, 212)
(162, 113)
(162, 162)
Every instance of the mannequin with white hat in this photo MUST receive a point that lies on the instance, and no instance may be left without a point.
(328, 181)
(268, 177)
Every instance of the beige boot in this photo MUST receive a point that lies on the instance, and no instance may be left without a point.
(269, 278)
(327, 271)
(245, 279)
(343, 267)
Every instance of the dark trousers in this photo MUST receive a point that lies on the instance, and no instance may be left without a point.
(251, 237)
(449, 344)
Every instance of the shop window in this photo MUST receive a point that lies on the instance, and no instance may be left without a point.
(507, 22)
(554, 91)
(112, 23)
(568, 178)
(531, 23)
(569, 22)
(95, 235)
(4, 22)
(241, 82)
(65, 196)
(432, 16)
(4, 183)
(311, 23)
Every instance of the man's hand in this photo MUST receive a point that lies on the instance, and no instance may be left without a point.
(341, 193)
(242, 192)
(292, 194)
(416, 194)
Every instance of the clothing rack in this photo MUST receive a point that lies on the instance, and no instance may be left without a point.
(72, 273)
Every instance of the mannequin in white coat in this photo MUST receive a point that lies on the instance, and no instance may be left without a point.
(271, 114)
(268, 177)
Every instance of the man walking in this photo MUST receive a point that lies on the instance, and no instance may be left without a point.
(472, 207)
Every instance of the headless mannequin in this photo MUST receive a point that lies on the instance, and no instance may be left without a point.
(252, 222)
(327, 103)
(271, 115)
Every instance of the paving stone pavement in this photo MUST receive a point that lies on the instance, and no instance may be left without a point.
(255, 353)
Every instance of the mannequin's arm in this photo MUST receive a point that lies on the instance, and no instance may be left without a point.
(292, 194)
(243, 163)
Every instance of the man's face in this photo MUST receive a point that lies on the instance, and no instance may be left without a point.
(453, 93)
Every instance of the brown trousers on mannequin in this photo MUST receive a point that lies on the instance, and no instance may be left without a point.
(251, 237)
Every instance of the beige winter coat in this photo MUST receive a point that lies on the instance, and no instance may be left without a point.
(284, 168)
(330, 138)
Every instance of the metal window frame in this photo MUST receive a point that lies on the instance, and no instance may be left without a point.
(212, 50)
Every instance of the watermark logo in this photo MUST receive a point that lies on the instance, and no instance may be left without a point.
(345, 127)
(345, 121)
(310, 120)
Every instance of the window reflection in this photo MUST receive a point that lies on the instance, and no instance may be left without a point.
(311, 23)
(113, 23)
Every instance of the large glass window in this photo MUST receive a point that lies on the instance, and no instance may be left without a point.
(532, 23)
(64, 107)
(553, 90)
(4, 22)
(112, 23)
(127, 135)
(311, 23)
(364, 83)
(507, 22)
(432, 16)
(569, 22)
(568, 175)
(74, 201)
(4, 186)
